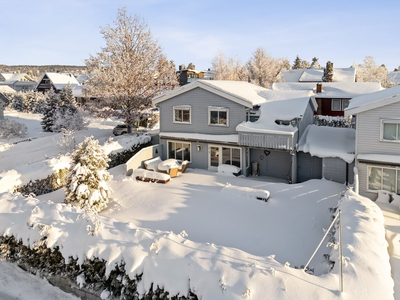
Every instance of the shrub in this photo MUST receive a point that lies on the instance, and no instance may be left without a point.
(10, 129)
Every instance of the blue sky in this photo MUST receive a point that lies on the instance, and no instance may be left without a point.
(65, 32)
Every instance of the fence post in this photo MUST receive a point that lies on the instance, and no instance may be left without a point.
(340, 253)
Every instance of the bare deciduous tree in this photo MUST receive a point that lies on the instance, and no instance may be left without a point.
(264, 69)
(130, 70)
(369, 71)
(228, 68)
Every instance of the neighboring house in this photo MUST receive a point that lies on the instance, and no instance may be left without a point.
(56, 81)
(332, 97)
(394, 77)
(186, 76)
(208, 124)
(83, 78)
(326, 152)
(315, 75)
(4, 90)
(377, 141)
(18, 82)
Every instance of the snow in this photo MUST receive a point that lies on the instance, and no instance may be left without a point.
(6, 89)
(228, 169)
(394, 77)
(18, 284)
(227, 245)
(315, 75)
(331, 89)
(271, 111)
(60, 80)
(380, 157)
(150, 174)
(14, 77)
(229, 138)
(324, 141)
(312, 75)
(247, 193)
(372, 100)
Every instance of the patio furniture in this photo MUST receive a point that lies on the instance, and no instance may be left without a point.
(183, 166)
(229, 170)
(169, 166)
(152, 164)
(150, 176)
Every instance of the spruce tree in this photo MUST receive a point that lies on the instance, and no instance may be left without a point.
(67, 97)
(49, 111)
(297, 63)
(87, 181)
(328, 72)
(315, 63)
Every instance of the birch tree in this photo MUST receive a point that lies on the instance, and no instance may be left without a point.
(130, 70)
(369, 71)
(229, 68)
(264, 69)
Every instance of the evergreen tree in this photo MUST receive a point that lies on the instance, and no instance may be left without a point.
(297, 63)
(67, 97)
(191, 66)
(50, 110)
(315, 63)
(87, 182)
(304, 64)
(328, 72)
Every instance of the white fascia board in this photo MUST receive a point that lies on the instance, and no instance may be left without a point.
(372, 105)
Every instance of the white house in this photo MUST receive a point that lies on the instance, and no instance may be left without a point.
(18, 82)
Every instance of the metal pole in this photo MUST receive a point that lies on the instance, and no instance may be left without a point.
(340, 253)
(326, 233)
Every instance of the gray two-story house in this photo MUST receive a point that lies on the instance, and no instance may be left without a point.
(377, 141)
(210, 123)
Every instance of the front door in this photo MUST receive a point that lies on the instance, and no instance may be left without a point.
(218, 155)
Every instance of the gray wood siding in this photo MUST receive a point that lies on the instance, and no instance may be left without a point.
(199, 100)
(334, 169)
(368, 130)
(308, 119)
(277, 164)
(308, 167)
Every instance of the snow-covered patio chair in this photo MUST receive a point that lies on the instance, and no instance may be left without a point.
(183, 166)
(152, 164)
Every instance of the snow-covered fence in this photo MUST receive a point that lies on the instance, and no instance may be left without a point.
(343, 122)
(144, 154)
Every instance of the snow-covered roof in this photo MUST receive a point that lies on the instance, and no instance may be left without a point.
(394, 159)
(83, 77)
(331, 89)
(226, 138)
(60, 80)
(315, 75)
(324, 141)
(284, 110)
(241, 92)
(15, 77)
(394, 77)
(6, 89)
(373, 100)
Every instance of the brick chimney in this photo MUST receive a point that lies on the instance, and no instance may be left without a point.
(319, 87)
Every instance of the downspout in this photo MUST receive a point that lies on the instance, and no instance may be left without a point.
(347, 173)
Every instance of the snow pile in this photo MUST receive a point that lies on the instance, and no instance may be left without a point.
(323, 141)
(151, 175)
(114, 145)
(176, 263)
(246, 192)
(228, 169)
(271, 111)
(8, 180)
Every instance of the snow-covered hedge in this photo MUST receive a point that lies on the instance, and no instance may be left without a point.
(344, 122)
(10, 129)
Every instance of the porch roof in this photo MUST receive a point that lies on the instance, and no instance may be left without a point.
(221, 138)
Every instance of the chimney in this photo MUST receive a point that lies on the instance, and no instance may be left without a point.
(319, 87)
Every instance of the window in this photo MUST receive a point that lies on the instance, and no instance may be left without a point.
(179, 150)
(390, 130)
(231, 156)
(387, 179)
(182, 114)
(336, 104)
(218, 116)
(345, 103)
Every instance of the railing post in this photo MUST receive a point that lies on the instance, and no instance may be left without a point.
(340, 253)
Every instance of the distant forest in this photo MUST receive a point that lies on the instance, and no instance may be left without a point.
(38, 71)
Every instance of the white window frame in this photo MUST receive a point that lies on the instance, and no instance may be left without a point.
(340, 104)
(220, 156)
(389, 121)
(382, 167)
(213, 108)
(182, 107)
(183, 142)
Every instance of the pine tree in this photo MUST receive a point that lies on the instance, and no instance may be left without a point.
(50, 110)
(297, 63)
(328, 72)
(315, 63)
(87, 182)
(67, 97)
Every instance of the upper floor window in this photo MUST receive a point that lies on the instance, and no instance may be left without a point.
(182, 114)
(390, 130)
(340, 104)
(218, 116)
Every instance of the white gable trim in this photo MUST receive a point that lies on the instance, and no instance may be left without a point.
(203, 85)
(372, 105)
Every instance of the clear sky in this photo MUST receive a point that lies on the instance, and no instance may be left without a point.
(65, 32)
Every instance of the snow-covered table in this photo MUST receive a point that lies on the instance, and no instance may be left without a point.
(170, 166)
